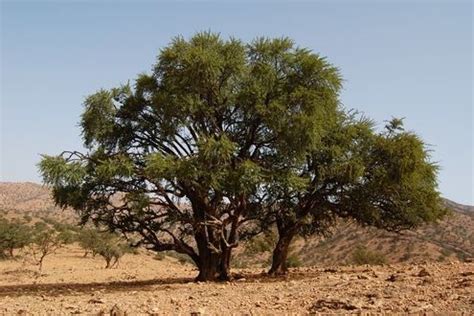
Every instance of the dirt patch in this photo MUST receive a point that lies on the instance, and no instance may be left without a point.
(142, 285)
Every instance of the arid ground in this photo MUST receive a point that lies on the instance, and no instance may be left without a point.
(144, 285)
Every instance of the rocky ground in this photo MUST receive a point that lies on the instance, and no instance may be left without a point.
(142, 285)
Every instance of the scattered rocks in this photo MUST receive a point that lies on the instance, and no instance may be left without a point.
(323, 304)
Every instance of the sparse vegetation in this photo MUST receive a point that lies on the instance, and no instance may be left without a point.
(44, 242)
(108, 245)
(362, 255)
(13, 235)
(293, 261)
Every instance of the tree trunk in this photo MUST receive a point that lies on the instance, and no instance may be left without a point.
(280, 253)
(224, 267)
(208, 269)
(209, 259)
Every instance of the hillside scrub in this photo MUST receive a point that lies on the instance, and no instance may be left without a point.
(225, 140)
(362, 255)
(108, 245)
(44, 242)
(13, 235)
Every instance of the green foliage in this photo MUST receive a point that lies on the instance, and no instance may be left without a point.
(44, 242)
(108, 245)
(13, 235)
(261, 244)
(362, 255)
(182, 259)
(293, 261)
(225, 137)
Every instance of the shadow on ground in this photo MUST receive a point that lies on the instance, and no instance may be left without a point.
(55, 289)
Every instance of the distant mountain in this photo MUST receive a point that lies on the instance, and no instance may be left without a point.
(452, 238)
(466, 209)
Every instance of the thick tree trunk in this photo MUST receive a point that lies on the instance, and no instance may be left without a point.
(280, 253)
(209, 259)
(208, 269)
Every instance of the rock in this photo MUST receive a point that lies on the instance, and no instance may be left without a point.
(117, 311)
(333, 304)
(96, 301)
(199, 312)
(423, 273)
(70, 306)
(427, 281)
(395, 277)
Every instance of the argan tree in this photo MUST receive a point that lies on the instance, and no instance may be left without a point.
(181, 157)
(44, 242)
(382, 179)
(13, 235)
(108, 245)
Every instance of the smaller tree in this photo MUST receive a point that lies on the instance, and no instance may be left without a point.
(89, 240)
(108, 245)
(13, 235)
(45, 241)
(381, 179)
(112, 249)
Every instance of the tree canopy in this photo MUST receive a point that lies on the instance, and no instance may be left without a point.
(225, 138)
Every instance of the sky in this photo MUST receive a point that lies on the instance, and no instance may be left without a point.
(398, 59)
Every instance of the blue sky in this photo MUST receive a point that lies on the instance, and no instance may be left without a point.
(398, 58)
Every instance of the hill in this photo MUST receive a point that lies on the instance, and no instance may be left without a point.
(19, 199)
(452, 238)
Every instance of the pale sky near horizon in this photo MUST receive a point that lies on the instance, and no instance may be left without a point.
(398, 58)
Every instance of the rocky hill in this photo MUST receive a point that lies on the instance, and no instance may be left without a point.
(452, 239)
(19, 199)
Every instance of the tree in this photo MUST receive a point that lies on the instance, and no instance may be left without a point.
(180, 157)
(111, 248)
(379, 179)
(45, 241)
(224, 139)
(108, 245)
(89, 239)
(13, 235)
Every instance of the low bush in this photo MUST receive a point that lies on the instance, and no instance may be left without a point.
(362, 255)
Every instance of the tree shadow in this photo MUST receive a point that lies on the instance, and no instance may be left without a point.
(55, 289)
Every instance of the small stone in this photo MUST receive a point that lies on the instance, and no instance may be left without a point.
(395, 277)
(117, 311)
(96, 301)
(423, 273)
